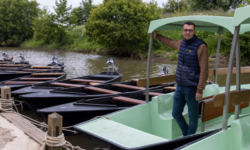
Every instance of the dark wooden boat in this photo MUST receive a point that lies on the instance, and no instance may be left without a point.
(83, 110)
(100, 78)
(45, 99)
(34, 78)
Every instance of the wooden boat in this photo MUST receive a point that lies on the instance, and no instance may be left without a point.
(60, 96)
(91, 108)
(151, 125)
(34, 78)
(100, 78)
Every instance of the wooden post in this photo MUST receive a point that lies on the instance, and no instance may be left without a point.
(54, 127)
(5, 94)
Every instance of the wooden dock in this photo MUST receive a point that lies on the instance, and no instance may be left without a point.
(18, 133)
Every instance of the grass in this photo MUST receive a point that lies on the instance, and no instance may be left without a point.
(76, 40)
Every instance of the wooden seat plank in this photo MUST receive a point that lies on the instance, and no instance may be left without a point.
(128, 100)
(129, 86)
(66, 84)
(223, 71)
(210, 112)
(170, 88)
(42, 74)
(46, 67)
(153, 94)
(8, 68)
(93, 83)
(14, 65)
(156, 80)
(21, 82)
(86, 80)
(18, 71)
(35, 69)
(101, 90)
(42, 79)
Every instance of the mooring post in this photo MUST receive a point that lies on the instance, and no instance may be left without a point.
(54, 127)
(5, 94)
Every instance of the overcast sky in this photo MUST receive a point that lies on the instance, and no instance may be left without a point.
(75, 3)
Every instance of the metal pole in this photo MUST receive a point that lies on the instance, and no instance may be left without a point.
(228, 79)
(238, 76)
(148, 65)
(217, 56)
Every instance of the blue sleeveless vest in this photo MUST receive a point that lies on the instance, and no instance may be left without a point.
(188, 68)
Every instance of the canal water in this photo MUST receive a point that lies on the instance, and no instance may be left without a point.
(79, 64)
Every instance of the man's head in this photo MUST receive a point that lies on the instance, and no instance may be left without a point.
(188, 30)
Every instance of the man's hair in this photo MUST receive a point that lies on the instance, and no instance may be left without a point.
(190, 23)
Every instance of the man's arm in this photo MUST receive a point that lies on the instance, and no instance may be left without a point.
(203, 62)
(167, 41)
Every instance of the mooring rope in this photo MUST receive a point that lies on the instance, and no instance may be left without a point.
(58, 141)
(49, 141)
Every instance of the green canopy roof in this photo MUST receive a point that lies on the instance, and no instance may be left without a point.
(241, 16)
(203, 23)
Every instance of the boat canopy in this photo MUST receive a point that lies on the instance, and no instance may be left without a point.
(202, 23)
(241, 16)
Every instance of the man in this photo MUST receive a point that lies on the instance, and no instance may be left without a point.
(191, 76)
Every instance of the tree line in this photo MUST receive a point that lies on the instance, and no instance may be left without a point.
(119, 26)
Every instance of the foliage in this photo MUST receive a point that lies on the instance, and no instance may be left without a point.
(16, 21)
(174, 5)
(213, 4)
(44, 27)
(245, 3)
(87, 6)
(77, 13)
(62, 19)
(121, 25)
(244, 46)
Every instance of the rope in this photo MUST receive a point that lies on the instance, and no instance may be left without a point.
(49, 141)
(21, 103)
(58, 141)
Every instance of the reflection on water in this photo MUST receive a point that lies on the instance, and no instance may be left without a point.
(78, 64)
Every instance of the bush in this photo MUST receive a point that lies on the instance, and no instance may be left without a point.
(16, 18)
(121, 25)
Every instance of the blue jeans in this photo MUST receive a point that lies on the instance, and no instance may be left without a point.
(186, 95)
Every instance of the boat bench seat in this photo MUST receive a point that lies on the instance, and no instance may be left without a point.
(8, 68)
(18, 71)
(129, 100)
(101, 90)
(42, 79)
(169, 88)
(129, 86)
(66, 84)
(34, 70)
(44, 74)
(209, 111)
(46, 67)
(21, 82)
(153, 94)
(86, 80)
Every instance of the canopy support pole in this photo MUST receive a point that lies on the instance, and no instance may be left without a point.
(229, 76)
(217, 55)
(148, 65)
(238, 76)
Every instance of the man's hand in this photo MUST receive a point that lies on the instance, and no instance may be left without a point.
(155, 34)
(198, 96)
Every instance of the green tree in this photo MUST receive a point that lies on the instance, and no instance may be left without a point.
(77, 15)
(45, 27)
(87, 6)
(62, 19)
(174, 5)
(214, 4)
(16, 18)
(121, 25)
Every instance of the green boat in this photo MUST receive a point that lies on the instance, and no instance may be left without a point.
(151, 125)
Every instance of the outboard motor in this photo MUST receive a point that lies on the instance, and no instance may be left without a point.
(111, 66)
(54, 62)
(164, 71)
(6, 57)
(23, 61)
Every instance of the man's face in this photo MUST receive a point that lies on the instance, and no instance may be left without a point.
(188, 31)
